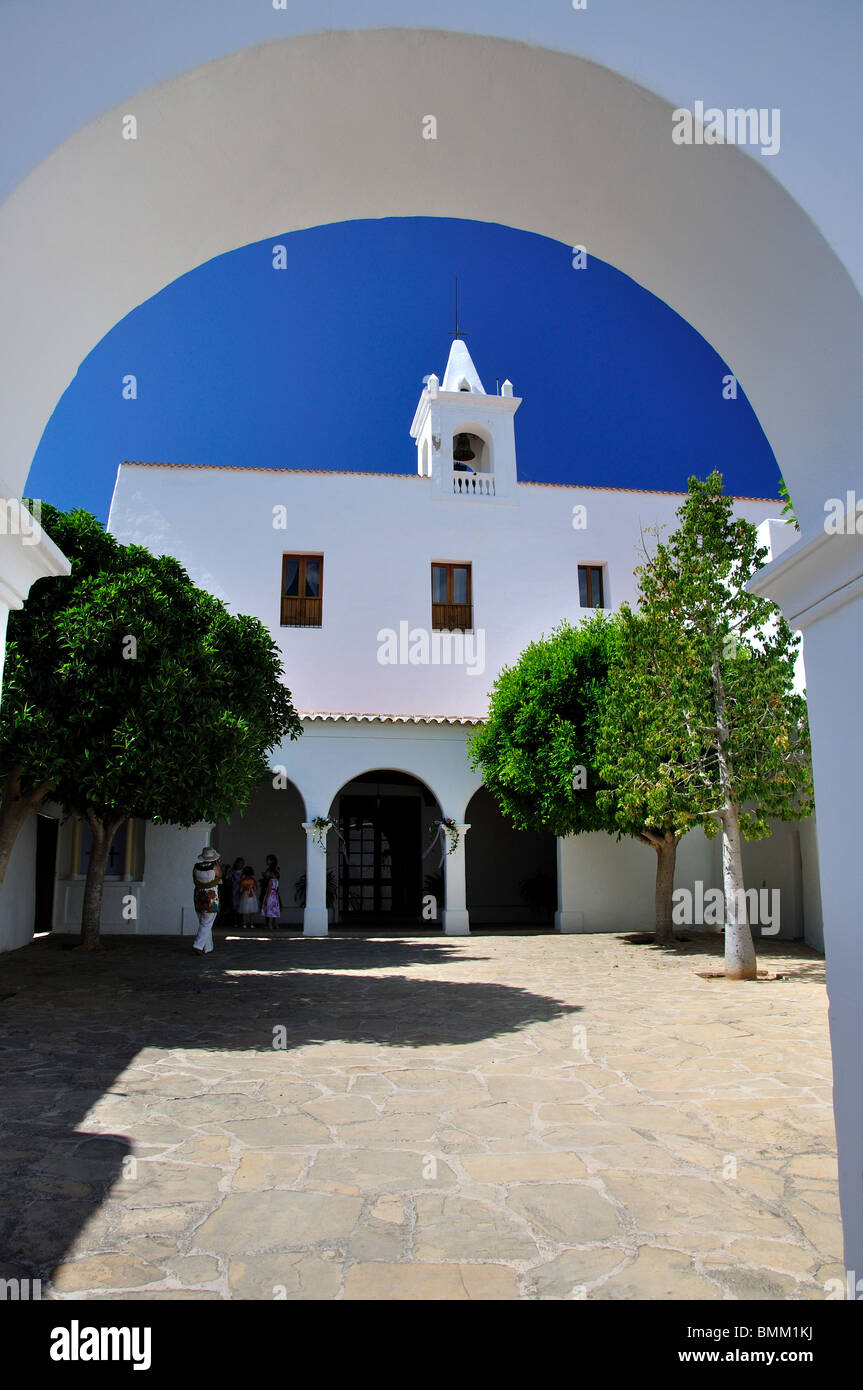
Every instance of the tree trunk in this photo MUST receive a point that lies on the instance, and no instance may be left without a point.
(740, 962)
(91, 915)
(15, 806)
(666, 856)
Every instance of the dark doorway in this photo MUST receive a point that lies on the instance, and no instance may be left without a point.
(380, 875)
(46, 865)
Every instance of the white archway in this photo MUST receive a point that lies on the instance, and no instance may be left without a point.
(331, 127)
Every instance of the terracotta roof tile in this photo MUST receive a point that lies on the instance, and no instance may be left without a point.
(363, 473)
(393, 718)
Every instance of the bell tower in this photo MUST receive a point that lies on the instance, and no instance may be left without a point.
(465, 438)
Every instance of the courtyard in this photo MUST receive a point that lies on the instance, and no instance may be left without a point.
(500, 1116)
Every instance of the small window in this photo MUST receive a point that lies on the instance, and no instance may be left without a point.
(116, 854)
(452, 598)
(302, 590)
(590, 591)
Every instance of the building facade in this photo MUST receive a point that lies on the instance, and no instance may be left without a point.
(395, 600)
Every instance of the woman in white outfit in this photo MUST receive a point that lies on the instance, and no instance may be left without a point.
(206, 876)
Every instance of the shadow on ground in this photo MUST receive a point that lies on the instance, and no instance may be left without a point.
(70, 1023)
(777, 960)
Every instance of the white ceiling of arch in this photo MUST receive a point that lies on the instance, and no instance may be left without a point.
(65, 64)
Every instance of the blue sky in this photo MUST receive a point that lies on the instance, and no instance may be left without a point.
(320, 365)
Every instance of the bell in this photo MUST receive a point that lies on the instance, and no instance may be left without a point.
(462, 452)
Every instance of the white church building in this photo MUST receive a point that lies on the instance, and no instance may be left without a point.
(395, 600)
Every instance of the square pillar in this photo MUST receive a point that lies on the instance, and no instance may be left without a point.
(566, 918)
(455, 916)
(315, 915)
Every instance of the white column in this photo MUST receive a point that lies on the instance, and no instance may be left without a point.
(566, 918)
(819, 585)
(26, 554)
(455, 917)
(315, 917)
(4, 618)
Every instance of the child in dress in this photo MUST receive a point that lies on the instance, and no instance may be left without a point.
(247, 904)
(271, 903)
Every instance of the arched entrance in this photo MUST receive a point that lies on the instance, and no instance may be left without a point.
(272, 823)
(378, 870)
(586, 155)
(511, 874)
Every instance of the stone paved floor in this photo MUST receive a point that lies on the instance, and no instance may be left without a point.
(532, 1116)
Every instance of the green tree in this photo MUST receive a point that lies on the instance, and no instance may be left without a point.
(133, 694)
(538, 750)
(702, 693)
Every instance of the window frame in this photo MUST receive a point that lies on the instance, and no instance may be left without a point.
(589, 569)
(450, 566)
(308, 602)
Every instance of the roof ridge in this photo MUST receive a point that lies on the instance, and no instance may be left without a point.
(364, 473)
(393, 718)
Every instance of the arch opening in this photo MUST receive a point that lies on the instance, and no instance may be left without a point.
(511, 875)
(382, 868)
(272, 823)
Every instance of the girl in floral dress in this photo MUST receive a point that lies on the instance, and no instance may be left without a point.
(271, 903)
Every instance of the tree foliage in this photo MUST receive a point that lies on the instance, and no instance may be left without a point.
(702, 716)
(131, 693)
(543, 721)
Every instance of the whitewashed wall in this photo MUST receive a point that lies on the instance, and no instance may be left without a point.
(379, 536)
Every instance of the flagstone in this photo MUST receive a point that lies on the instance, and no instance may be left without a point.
(522, 1167)
(117, 1271)
(219, 1110)
(341, 1110)
(408, 1129)
(159, 1183)
(456, 1228)
(688, 1205)
(377, 1242)
(658, 1119)
(432, 1282)
(194, 1269)
(747, 1283)
(151, 1249)
(569, 1275)
(771, 1254)
(814, 1166)
(252, 1221)
(376, 1169)
(642, 1156)
(306, 1167)
(158, 1219)
(429, 1102)
(570, 1214)
(204, 1148)
(285, 1275)
(533, 1090)
(825, 1200)
(657, 1273)
(289, 1130)
(262, 1169)
(495, 1119)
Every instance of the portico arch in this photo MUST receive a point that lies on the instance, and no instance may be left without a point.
(329, 127)
(379, 857)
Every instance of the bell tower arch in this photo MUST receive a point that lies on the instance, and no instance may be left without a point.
(467, 434)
